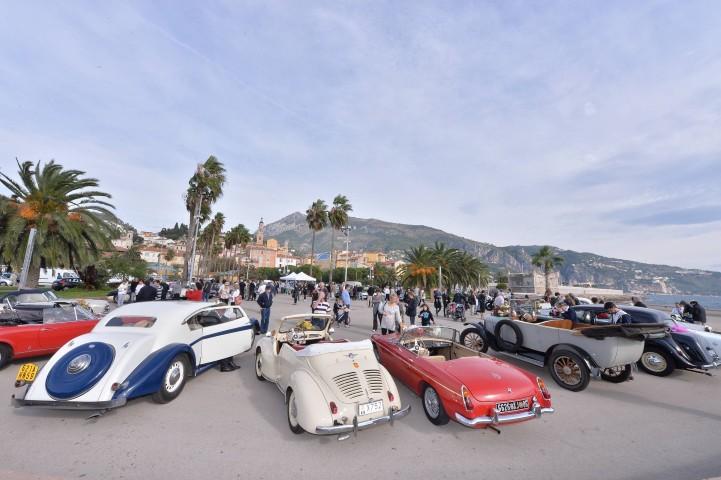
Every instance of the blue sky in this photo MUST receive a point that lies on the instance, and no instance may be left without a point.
(593, 126)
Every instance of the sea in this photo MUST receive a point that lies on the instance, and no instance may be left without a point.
(712, 302)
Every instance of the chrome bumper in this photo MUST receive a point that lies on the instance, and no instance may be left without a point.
(19, 401)
(356, 425)
(495, 419)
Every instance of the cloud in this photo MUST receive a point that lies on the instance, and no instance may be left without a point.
(682, 216)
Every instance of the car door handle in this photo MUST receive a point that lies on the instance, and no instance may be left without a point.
(44, 329)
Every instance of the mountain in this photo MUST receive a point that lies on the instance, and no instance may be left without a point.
(579, 267)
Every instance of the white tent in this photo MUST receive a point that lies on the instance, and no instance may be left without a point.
(303, 277)
(292, 276)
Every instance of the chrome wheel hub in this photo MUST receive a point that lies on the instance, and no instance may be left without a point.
(430, 399)
(79, 363)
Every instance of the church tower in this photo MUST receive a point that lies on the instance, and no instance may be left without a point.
(259, 237)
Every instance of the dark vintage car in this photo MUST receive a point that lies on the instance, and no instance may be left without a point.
(27, 305)
(689, 347)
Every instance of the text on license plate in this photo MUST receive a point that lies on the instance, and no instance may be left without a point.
(505, 407)
(369, 408)
(27, 373)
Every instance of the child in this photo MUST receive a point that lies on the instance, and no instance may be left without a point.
(426, 316)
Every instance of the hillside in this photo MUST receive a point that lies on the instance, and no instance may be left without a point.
(579, 267)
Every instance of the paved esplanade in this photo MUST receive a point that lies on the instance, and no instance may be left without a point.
(230, 425)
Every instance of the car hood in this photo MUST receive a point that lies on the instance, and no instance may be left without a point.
(489, 379)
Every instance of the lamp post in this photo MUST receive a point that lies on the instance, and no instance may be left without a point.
(346, 231)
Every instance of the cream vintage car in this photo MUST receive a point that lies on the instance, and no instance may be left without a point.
(330, 386)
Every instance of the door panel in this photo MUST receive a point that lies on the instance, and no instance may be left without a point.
(225, 333)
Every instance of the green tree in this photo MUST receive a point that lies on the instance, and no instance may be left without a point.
(237, 236)
(547, 260)
(338, 218)
(169, 255)
(383, 275)
(317, 218)
(74, 225)
(206, 187)
(208, 238)
(125, 265)
(420, 264)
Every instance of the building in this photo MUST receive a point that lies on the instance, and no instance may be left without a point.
(268, 253)
(532, 282)
(124, 242)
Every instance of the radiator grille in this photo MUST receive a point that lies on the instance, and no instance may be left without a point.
(349, 385)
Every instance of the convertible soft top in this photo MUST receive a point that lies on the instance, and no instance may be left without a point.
(316, 349)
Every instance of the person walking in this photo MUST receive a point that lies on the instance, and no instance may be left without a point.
(482, 299)
(265, 301)
(391, 315)
(224, 292)
(376, 301)
(120, 295)
(345, 297)
(295, 293)
(251, 290)
(411, 306)
(206, 291)
(242, 289)
(426, 316)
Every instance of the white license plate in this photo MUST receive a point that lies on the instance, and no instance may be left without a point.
(505, 407)
(370, 408)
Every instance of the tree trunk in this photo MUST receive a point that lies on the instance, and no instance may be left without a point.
(332, 263)
(312, 253)
(548, 280)
(188, 246)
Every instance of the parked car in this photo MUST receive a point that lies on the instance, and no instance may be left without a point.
(572, 355)
(148, 348)
(42, 331)
(8, 279)
(26, 299)
(689, 346)
(330, 387)
(65, 283)
(456, 382)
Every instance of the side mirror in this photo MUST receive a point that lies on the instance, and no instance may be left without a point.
(331, 330)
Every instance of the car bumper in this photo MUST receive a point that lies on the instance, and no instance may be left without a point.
(356, 426)
(19, 401)
(495, 419)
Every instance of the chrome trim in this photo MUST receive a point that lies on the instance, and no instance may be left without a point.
(495, 419)
(357, 426)
(18, 401)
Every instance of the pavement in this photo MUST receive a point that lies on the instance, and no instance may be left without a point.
(231, 426)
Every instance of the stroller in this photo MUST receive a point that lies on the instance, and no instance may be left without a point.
(458, 312)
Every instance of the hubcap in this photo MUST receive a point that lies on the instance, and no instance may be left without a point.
(567, 370)
(653, 361)
(79, 363)
(173, 377)
(473, 340)
(430, 399)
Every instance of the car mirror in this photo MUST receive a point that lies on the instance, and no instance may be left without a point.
(331, 330)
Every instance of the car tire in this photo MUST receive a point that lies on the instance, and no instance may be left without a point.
(6, 354)
(656, 361)
(174, 378)
(290, 408)
(259, 365)
(569, 370)
(433, 406)
(617, 374)
(475, 339)
(505, 345)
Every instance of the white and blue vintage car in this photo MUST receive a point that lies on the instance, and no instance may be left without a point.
(148, 348)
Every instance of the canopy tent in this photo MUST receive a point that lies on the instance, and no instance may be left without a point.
(292, 276)
(303, 277)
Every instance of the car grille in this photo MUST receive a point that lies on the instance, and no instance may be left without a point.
(349, 385)
(374, 380)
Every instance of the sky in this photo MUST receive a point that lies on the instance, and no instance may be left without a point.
(593, 126)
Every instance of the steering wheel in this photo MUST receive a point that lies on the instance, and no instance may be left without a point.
(297, 335)
(419, 347)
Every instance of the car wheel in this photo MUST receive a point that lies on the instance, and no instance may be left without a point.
(173, 380)
(474, 339)
(292, 410)
(259, 366)
(655, 361)
(569, 370)
(505, 345)
(433, 406)
(6, 354)
(617, 374)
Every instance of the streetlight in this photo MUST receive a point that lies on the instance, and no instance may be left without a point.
(346, 231)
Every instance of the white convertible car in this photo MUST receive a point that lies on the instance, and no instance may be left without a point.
(138, 349)
(330, 387)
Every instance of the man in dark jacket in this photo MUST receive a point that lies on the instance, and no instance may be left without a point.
(147, 292)
(411, 306)
(482, 299)
(698, 313)
(265, 301)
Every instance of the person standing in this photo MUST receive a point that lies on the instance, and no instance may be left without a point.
(251, 290)
(133, 289)
(411, 306)
(345, 297)
(206, 290)
(295, 293)
(391, 315)
(698, 313)
(498, 302)
(265, 301)
(158, 290)
(120, 295)
(224, 293)
(376, 301)
(242, 289)
(482, 299)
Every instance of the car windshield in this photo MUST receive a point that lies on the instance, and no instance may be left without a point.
(314, 323)
(429, 333)
(135, 321)
(64, 314)
(36, 297)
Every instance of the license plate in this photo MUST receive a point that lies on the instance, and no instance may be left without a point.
(505, 407)
(27, 373)
(370, 408)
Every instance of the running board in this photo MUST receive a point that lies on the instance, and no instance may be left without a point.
(524, 358)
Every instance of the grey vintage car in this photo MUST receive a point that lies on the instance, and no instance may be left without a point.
(572, 355)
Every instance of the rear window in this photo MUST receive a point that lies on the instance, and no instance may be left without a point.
(131, 321)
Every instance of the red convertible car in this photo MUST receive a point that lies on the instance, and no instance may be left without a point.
(453, 381)
(20, 338)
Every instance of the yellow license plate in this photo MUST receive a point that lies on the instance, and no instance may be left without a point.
(27, 373)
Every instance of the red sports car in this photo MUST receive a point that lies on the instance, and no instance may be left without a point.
(453, 381)
(20, 338)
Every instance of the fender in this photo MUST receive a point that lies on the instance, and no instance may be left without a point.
(590, 362)
(148, 376)
(313, 408)
(691, 355)
(478, 325)
(391, 385)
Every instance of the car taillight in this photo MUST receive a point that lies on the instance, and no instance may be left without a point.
(390, 396)
(467, 402)
(333, 408)
(542, 387)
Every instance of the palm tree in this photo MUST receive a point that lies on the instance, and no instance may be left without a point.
(546, 259)
(419, 266)
(210, 233)
(317, 218)
(238, 235)
(73, 224)
(206, 187)
(338, 218)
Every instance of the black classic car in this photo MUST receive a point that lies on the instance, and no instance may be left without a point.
(27, 305)
(688, 347)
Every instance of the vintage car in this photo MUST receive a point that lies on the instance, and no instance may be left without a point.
(453, 381)
(330, 386)
(138, 349)
(689, 346)
(31, 335)
(572, 355)
(27, 299)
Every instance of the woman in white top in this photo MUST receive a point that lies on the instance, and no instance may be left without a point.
(122, 290)
(391, 315)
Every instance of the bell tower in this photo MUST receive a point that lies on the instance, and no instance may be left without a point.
(259, 236)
